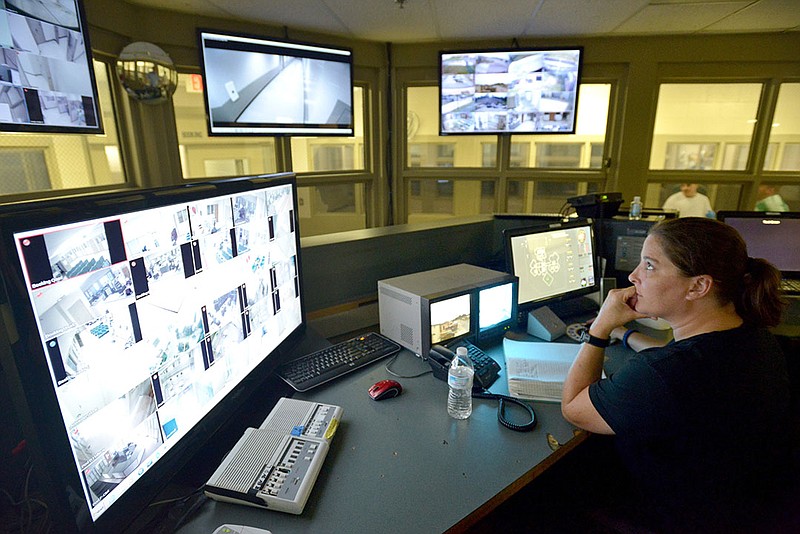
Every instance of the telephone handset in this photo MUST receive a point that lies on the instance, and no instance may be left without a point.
(486, 369)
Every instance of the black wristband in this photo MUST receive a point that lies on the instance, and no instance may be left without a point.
(598, 341)
(625, 337)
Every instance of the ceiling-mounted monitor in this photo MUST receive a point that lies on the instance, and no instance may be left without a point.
(521, 90)
(47, 81)
(262, 86)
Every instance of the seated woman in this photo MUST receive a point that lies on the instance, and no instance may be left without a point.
(702, 422)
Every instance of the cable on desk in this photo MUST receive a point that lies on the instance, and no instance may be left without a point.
(389, 370)
(501, 410)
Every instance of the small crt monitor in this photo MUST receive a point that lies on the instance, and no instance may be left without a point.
(445, 305)
(555, 262)
(497, 309)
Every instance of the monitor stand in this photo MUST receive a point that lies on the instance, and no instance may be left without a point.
(550, 322)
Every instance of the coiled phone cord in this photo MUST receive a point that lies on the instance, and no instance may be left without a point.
(501, 410)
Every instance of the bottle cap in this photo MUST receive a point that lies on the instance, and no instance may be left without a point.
(637, 199)
(461, 351)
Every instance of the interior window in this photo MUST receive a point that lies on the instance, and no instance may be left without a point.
(693, 120)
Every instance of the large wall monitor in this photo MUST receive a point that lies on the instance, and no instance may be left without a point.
(47, 81)
(260, 86)
(554, 262)
(143, 318)
(524, 90)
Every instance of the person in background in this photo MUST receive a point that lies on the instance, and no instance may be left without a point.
(700, 422)
(689, 202)
(769, 199)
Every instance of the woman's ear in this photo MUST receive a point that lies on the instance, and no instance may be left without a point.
(700, 286)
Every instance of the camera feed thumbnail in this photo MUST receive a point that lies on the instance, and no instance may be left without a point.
(513, 91)
(450, 318)
(148, 319)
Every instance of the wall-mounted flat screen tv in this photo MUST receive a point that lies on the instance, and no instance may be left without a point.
(46, 78)
(260, 86)
(527, 91)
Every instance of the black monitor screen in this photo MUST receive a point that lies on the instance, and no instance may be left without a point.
(553, 262)
(772, 236)
(509, 91)
(450, 318)
(46, 77)
(259, 86)
(146, 320)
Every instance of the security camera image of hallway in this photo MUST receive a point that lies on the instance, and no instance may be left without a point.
(256, 88)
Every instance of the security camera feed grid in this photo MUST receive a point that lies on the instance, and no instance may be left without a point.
(553, 263)
(512, 91)
(148, 319)
(45, 69)
(450, 318)
(258, 86)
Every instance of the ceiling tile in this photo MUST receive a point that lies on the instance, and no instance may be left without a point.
(581, 17)
(764, 15)
(468, 19)
(384, 20)
(677, 18)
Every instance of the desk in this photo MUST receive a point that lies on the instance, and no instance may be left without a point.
(403, 464)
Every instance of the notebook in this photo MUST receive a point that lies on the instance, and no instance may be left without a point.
(774, 237)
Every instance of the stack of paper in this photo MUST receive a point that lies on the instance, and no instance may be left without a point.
(537, 370)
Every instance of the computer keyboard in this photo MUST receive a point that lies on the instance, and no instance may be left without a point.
(332, 362)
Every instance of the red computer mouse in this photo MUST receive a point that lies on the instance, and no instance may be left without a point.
(385, 389)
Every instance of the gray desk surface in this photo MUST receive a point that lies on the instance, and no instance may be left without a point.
(403, 465)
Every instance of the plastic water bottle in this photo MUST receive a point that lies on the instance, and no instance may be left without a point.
(635, 212)
(459, 378)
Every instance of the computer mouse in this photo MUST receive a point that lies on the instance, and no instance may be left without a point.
(385, 389)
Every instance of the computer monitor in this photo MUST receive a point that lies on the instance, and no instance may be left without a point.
(445, 305)
(516, 90)
(263, 86)
(48, 83)
(555, 263)
(772, 236)
(144, 320)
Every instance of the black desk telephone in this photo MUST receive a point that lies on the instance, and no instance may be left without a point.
(486, 369)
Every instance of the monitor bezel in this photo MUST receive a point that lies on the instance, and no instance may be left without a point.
(276, 129)
(510, 233)
(526, 49)
(42, 128)
(34, 394)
